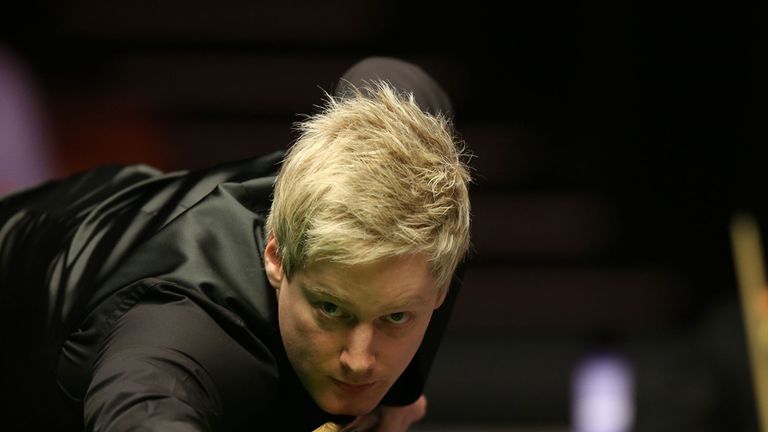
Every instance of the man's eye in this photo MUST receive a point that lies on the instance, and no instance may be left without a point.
(331, 309)
(398, 318)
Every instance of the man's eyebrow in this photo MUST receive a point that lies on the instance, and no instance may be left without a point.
(408, 301)
(400, 304)
(318, 289)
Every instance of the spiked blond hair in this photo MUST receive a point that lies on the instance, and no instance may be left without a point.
(372, 176)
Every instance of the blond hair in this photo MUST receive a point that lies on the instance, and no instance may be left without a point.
(372, 176)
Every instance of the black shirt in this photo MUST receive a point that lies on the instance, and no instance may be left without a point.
(136, 298)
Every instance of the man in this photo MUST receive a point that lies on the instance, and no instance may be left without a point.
(193, 301)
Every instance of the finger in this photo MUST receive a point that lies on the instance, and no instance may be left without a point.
(363, 423)
(420, 408)
(393, 424)
(401, 418)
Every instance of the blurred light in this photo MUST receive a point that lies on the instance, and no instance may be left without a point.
(603, 388)
(24, 149)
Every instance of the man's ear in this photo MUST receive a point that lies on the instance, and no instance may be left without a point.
(441, 297)
(272, 263)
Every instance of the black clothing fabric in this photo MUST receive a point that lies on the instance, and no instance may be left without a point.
(135, 299)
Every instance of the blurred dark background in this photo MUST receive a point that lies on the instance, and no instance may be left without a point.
(613, 142)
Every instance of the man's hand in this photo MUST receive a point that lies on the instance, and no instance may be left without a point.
(390, 419)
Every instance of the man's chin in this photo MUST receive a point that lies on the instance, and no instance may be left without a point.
(348, 407)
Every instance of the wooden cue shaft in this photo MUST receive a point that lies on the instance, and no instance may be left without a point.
(748, 258)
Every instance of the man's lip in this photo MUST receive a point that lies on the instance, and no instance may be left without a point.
(352, 388)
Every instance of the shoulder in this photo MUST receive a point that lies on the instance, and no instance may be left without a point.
(179, 339)
(184, 326)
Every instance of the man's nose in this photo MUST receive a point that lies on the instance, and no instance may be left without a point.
(358, 356)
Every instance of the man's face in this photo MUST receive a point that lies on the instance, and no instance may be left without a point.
(350, 331)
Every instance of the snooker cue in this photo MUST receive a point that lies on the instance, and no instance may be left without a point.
(750, 271)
